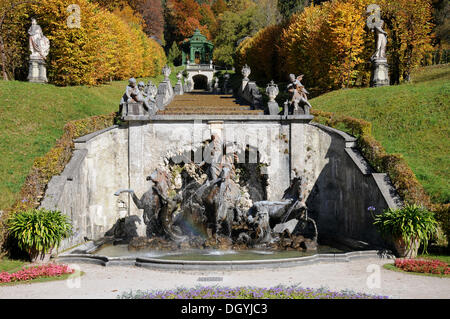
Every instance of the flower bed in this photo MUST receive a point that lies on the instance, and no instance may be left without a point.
(279, 292)
(29, 273)
(423, 266)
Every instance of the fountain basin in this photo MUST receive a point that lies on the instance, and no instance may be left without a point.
(204, 259)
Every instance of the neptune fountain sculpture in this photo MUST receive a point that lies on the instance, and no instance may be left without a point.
(208, 212)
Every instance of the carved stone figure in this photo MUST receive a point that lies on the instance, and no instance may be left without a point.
(246, 71)
(157, 206)
(166, 71)
(381, 40)
(131, 94)
(151, 90)
(39, 47)
(179, 86)
(380, 67)
(39, 44)
(298, 95)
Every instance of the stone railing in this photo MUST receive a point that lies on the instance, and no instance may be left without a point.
(150, 103)
(249, 91)
(200, 67)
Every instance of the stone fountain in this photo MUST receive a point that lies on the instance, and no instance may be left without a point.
(206, 206)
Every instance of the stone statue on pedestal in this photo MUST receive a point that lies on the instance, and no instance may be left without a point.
(299, 99)
(39, 47)
(380, 71)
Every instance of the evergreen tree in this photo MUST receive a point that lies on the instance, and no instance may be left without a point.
(174, 55)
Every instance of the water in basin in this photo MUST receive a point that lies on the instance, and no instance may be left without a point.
(210, 254)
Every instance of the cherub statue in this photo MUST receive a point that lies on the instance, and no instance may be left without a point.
(131, 94)
(299, 94)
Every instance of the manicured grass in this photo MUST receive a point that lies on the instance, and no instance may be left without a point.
(410, 119)
(32, 117)
(444, 258)
(10, 265)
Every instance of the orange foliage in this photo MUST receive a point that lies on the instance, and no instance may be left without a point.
(185, 17)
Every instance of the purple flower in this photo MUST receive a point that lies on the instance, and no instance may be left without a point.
(371, 208)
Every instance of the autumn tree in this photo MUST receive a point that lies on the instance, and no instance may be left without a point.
(233, 27)
(267, 13)
(219, 7)
(239, 5)
(182, 19)
(13, 45)
(260, 52)
(288, 7)
(409, 27)
(153, 14)
(207, 17)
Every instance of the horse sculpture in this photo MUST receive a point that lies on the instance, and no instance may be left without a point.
(158, 207)
(209, 208)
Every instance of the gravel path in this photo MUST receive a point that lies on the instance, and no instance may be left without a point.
(109, 282)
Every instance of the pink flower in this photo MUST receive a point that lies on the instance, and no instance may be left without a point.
(28, 273)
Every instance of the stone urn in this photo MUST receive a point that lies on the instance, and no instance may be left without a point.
(179, 76)
(38, 257)
(403, 251)
(166, 71)
(272, 91)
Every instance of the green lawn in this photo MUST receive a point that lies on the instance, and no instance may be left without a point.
(10, 265)
(411, 119)
(32, 117)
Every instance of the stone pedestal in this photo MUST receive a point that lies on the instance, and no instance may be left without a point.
(380, 73)
(273, 108)
(179, 88)
(37, 71)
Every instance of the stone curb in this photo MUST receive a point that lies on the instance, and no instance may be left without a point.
(164, 264)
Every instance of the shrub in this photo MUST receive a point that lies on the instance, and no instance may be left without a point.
(410, 223)
(442, 214)
(39, 231)
(423, 266)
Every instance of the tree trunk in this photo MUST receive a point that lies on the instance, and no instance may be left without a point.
(2, 49)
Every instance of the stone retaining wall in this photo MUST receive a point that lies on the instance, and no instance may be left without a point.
(340, 183)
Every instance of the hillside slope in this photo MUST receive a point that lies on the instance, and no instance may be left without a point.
(411, 119)
(32, 117)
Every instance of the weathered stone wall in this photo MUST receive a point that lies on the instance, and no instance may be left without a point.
(340, 184)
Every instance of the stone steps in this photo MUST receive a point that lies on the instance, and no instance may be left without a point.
(208, 104)
(212, 112)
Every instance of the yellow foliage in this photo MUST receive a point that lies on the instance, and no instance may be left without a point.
(330, 44)
(260, 51)
(107, 46)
